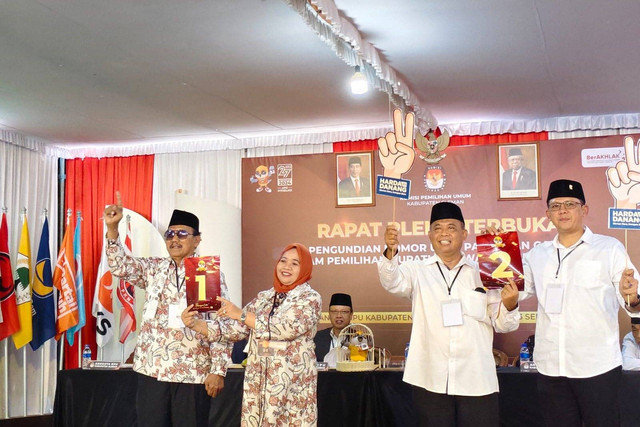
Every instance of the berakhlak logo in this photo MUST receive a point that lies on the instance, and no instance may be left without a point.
(262, 177)
(435, 178)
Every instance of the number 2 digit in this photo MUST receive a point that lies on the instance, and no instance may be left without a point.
(505, 260)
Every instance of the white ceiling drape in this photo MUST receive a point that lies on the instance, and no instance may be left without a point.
(273, 139)
(552, 124)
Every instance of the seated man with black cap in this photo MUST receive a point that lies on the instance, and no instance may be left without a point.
(172, 361)
(450, 363)
(631, 347)
(340, 314)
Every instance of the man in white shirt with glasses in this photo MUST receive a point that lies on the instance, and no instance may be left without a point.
(581, 280)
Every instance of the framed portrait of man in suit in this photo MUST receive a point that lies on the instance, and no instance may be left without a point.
(518, 171)
(354, 183)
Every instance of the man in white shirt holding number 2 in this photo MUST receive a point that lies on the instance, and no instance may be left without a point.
(581, 279)
(450, 364)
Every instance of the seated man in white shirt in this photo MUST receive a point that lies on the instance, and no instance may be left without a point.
(450, 363)
(631, 347)
(340, 314)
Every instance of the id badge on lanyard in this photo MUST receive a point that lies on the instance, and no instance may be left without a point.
(553, 298)
(451, 313)
(451, 308)
(555, 291)
(175, 311)
(267, 348)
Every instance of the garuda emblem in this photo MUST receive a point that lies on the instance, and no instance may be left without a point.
(431, 148)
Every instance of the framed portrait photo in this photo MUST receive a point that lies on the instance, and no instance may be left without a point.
(354, 183)
(518, 171)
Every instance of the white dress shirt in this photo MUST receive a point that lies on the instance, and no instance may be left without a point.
(335, 342)
(583, 339)
(332, 355)
(630, 353)
(455, 360)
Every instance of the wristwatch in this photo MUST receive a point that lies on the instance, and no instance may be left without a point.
(243, 316)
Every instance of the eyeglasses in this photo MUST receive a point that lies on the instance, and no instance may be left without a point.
(182, 234)
(568, 205)
(343, 312)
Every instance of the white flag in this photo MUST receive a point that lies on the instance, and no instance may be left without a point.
(103, 302)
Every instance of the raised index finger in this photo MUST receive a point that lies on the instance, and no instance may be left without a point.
(118, 200)
(631, 152)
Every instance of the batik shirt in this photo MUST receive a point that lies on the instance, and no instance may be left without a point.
(174, 355)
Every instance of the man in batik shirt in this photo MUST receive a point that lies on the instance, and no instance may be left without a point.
(173, 362)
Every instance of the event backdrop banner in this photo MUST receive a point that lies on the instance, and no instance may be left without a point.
(292, 199)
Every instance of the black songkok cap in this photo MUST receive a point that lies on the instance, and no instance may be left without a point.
(341, 299)
(185, 218)
(446, 210)
(565, 188)
(635, 320)
(355, 161)
(515, 152)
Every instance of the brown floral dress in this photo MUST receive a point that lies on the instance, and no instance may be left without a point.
(279, 389)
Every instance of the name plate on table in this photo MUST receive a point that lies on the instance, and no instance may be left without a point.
(202, 279)
(528, 366)
(103, 365)
(500, 259)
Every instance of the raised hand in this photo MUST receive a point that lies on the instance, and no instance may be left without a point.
(396, 148)
(113, 213)
(391, 240)
(112, 217)
(624, 179)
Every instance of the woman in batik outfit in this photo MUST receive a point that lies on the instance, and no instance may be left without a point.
(280, 381)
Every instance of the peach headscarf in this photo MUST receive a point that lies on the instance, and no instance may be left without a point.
(306, 265)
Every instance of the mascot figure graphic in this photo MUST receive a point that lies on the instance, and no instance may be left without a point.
(262, 176)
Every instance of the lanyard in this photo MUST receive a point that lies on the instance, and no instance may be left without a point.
(445, 279)
(178, 283)
(565, 257)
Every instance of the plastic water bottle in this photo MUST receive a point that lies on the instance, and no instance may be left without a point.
(524, 353)
(86, 356)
